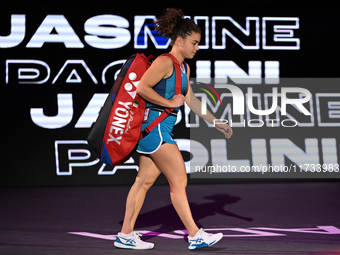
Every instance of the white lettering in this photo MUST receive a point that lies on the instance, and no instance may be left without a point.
(64, 33)
(113, 28)
(24, 79)
(283, 34)
(116, 139)
(281, 148)
(63, 118)
(252, 30)
(298, 101)
(17, 35)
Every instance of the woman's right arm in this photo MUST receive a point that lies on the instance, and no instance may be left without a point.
(162, 67)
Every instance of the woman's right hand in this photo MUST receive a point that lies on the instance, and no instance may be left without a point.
(177, 101)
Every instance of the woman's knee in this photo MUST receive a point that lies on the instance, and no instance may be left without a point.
(148, 184)
(178, 183)
(144, 184)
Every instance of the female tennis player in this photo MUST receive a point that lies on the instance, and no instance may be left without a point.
(158, 151)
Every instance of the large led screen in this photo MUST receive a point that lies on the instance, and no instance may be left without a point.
(268, 68)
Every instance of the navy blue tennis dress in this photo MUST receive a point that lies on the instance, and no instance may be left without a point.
(162, 133)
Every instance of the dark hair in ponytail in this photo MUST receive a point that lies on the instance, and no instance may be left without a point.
(172, 24)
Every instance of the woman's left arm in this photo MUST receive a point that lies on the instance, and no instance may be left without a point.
(196, 106)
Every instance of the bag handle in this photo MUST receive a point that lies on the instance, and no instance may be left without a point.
(167, 111)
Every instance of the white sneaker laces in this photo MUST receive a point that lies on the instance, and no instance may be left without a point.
(137, 235)
(203, 233)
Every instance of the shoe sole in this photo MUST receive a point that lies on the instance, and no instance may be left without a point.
(123, 246)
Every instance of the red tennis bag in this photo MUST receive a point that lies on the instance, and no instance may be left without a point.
(115, 134)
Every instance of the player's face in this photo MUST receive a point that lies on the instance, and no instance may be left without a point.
(190, 45)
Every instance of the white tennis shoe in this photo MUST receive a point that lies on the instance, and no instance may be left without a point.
(132, 241)
(203, 239)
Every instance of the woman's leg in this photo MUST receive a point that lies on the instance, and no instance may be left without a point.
(147, 174)
(169, 160)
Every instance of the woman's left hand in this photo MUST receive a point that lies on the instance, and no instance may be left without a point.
(225, 129)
